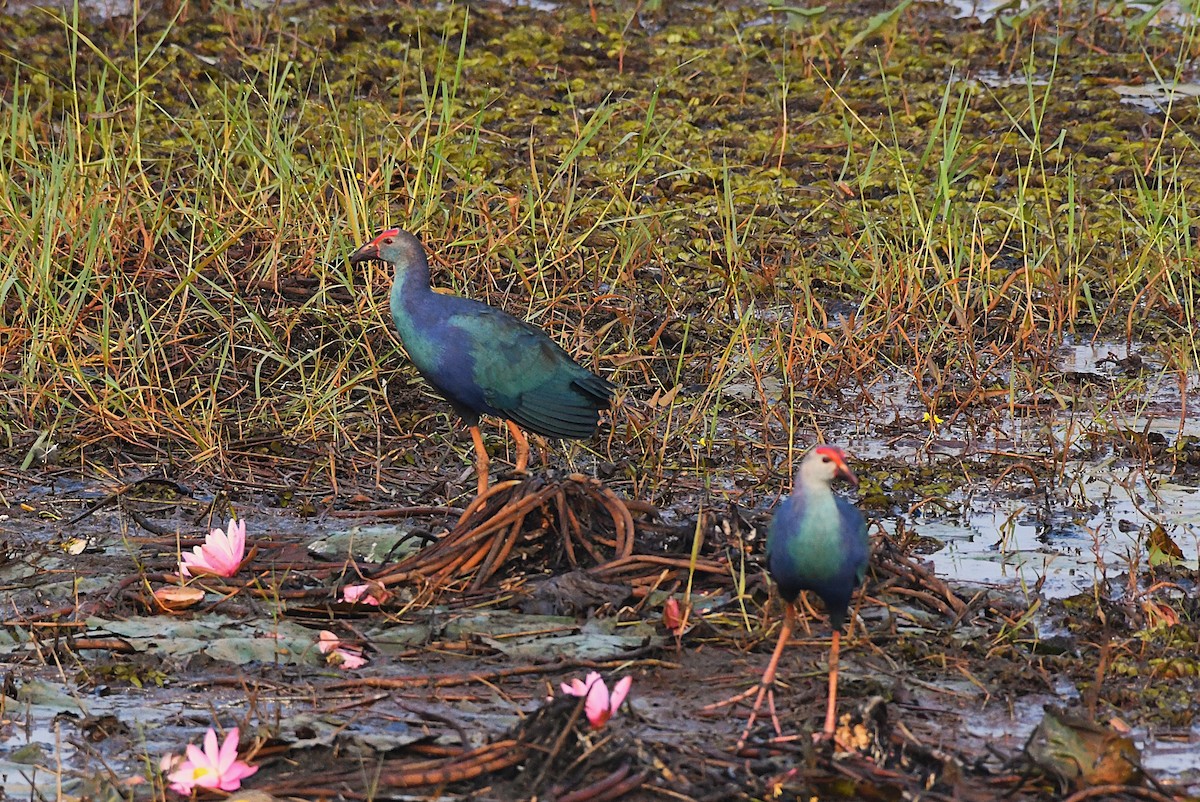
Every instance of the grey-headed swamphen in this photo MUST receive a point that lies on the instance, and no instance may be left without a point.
(485, 361)
(817, 541)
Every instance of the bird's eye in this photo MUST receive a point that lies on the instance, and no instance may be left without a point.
(389, 240)
(826, 459)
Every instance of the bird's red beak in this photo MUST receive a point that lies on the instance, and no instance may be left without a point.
(839, 460)
(365, 252)
(847, 474)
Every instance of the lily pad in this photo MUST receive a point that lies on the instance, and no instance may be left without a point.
(598, 639)
(216, 636)
(318, 730)
(503, 623)
(375, 543)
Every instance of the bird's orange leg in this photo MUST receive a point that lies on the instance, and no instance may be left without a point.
(765, 688)
(481, 459)
(522, 446)
(831, 711)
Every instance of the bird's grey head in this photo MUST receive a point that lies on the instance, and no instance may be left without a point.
(824, 464)
(394, 246)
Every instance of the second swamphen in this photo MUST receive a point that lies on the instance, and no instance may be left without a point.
(485, 361)
(817, 541)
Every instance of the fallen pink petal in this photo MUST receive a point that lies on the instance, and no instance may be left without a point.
(327, 641)
(346, 658)
(579, 687)
(221, 554)
(673, 615)
(215, 767)
(359, 594)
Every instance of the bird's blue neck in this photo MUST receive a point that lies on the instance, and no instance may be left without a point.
(409, 287)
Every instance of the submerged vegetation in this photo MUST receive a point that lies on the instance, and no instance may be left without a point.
(768, 225)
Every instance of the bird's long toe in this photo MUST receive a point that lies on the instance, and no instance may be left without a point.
(768, 692)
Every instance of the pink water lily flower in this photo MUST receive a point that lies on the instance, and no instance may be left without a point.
(346, 658)
(600, 704)
(359, 594)
(214, 767)
(221, 553)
